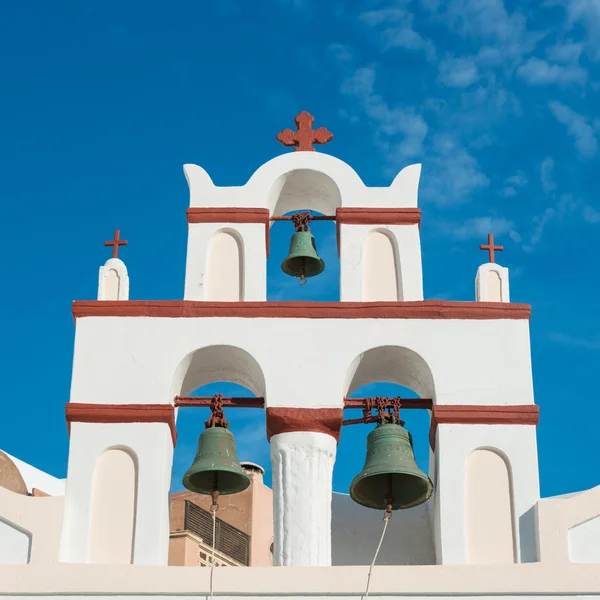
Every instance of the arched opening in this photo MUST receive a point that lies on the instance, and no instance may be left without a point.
(224, 278)
(113, 507)
(381, 268)
(489, 509)
(385, 371)
(245, 523)
(296, 191)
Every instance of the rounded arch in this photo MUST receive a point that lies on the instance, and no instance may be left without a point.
(224, 270)
(310, 180)
(391, 364)
(218, 363)
(382, 276)
(10, 476)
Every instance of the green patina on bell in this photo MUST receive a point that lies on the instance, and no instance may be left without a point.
(390, 475)
(216, 466)
(302, 259)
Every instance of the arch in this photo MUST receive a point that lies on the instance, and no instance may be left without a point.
(490, 534)
(224, 278)
(381, 279)
(10, 476)
(493, 282)
(218, 363)
(113, 507)
(391, 364)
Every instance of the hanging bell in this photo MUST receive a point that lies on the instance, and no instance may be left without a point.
(216, 467)
(302, 259)
(390, 475)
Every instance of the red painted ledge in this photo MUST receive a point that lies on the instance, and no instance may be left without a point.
(122, 413)
(426, 309)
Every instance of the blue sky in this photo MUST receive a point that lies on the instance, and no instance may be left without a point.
(102, 103)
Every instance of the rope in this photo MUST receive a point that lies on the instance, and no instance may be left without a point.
(386, 519)
(212, 556)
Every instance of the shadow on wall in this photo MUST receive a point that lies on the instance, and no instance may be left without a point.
(355, 533)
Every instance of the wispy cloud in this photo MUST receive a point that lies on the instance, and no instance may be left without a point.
(458, 72)
(578, 127)
(513, 184)
(572, 341)
(585, 13)
(537, 71)
(479, 227)
(546, 178)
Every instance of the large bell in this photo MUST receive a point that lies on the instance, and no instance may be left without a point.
(390, 475)
(302, 259)
(216, 466)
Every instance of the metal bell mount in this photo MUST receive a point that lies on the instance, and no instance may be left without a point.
(390, 479)
(216, 469)
(302, 260)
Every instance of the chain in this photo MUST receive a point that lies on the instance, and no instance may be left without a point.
(217, 416)
(301, 221)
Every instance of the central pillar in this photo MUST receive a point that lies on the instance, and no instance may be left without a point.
(303, 449)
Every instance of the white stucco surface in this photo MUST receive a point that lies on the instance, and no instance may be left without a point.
(584, 542)
(302, 465)
(492, 283)
(113, 280)
(14, 544)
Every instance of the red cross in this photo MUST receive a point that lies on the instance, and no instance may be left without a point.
(490, 247)
(115, 243)
(305, 136)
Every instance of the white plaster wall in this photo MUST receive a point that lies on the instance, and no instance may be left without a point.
(489, 512)
(454, 444)
(406, 241)
(153, 446)
(264, 187)
(14, 544)
(224, 279)
(143, 356)
(584, 542)
(34, 478)
(302, 478)
(380, 268)
(356, 530)
(113, 280)
(252, 241)
(113, 507)
(492, 283)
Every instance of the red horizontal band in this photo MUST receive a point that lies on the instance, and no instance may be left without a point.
(378, 216)
(426, 309)
(122, 413)
(319, 420)
(528, 414)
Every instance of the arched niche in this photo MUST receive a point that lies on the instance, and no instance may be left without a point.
(218, 363)
(489, 510)
(381, 268)
(390, 364)
(224, 275)
(10, 476)
(113, 507)
(304, 189)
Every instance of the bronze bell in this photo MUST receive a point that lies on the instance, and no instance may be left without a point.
(390, 476)
(302, 259)
(216, 467)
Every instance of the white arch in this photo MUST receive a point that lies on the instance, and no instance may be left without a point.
(218, 363)
(382, 276)
(391, 364)
(224, 279)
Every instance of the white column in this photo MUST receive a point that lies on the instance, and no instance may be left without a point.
(491, 283)
(302, 486)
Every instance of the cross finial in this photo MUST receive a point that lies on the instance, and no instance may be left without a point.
(305, 136)
(115, 243)
(490, 247)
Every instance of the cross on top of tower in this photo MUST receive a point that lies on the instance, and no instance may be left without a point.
(305, 136)
(115, 243)
(491, 248)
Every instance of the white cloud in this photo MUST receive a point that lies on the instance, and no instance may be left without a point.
(546, 168)
(396, 28)
(578, 127)
(567, 339)
(458, 72)
(509, 192)
(341, 52)
(587, 14)
(537, 71)
(479, 227)
(520, 179)
(590, 214)
(400, 129)
(566, 52)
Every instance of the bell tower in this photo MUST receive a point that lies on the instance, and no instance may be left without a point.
(468, 362)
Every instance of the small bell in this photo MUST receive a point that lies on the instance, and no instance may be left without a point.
(390, 477)
(216, 468)
(302, 260)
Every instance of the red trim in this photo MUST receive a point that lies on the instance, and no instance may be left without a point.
(426, 309)
(231, 215)
(375, 216)
(122, 413)
(320, 420)
(528, 414)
